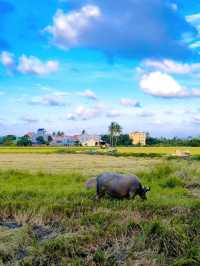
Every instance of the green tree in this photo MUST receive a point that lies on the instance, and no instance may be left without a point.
(50, 139)
(60, 133)
(41, 140)
(24, 141)
(9, 140)
(115, 130)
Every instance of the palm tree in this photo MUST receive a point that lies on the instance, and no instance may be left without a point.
(115, 130)
(118, 131)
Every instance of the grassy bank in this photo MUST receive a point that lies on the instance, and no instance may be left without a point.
(50, 219)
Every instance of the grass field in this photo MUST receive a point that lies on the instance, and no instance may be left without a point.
(160, 150)
(47, 217)
(121, 150)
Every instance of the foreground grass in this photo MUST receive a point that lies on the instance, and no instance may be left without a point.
(57, 222)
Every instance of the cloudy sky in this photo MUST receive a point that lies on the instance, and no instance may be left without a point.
(80, 64)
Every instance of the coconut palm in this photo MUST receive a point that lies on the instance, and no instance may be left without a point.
(115, 130)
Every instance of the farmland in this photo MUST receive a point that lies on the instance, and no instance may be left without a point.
(120, 150)
(47, 217)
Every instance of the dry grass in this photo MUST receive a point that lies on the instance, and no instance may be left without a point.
(85, 164)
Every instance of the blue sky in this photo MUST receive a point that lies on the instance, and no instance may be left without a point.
(80, 64)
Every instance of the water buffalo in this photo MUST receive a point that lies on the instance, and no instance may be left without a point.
(117, 186)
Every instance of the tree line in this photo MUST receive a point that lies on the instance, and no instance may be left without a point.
(114, 137)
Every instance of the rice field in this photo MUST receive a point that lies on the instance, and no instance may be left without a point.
(121, 150)
(47, 217)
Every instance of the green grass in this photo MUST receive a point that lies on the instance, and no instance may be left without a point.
(159, 150)
(62, 223)
(42, 150)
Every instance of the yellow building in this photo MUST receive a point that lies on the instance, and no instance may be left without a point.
(138, 138)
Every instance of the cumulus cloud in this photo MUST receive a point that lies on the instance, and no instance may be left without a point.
(163, 85)
(170, 66)
(137, 31)
(130, 103)
(55, 99)
(85, 113)
(33, 65)
(88, 94)
(68, 28)
(28, 65)
(7, 59)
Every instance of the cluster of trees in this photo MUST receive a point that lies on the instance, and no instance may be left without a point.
(189, 142)
(9, 140)
(12, 140)
(116, 138)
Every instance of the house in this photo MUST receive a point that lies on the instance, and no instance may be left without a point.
(138, 138)
(89, 140)
(41, 132)
(64, 141)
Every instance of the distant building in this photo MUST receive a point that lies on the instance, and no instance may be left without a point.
(138, 138)
(41, 132)
(89, 140)
(64, 141)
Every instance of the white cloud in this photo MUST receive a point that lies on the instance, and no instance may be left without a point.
(68, 28)
(7, 59)
(71, 116)
(129, 102)
(33, 65)
(88, 94)
(28, 65)
(194, 19)
(171, 66)
(195, 44)
(196, 92)
(162, 85)
(196, 119)
(55, 99)
(113, 113)
(85, 113)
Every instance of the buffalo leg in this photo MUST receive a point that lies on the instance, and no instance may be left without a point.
(132, 194)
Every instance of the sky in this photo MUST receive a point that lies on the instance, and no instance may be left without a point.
(80, 64)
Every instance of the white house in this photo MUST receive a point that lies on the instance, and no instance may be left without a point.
(89, 140)
(41, 132)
